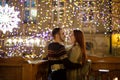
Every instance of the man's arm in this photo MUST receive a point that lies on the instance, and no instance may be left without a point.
(69, 65)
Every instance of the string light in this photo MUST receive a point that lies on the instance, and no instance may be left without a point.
(69, 14)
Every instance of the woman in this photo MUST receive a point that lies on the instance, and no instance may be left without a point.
(76, 54)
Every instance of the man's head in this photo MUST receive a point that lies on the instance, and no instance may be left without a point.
(58, 34)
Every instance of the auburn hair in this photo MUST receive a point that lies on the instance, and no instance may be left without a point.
(79, 37)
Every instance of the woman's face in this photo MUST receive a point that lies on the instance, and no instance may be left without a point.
(72, 38)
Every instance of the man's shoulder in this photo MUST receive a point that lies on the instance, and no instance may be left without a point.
(54, 43)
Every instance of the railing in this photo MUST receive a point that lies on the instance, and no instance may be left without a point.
(105, 68)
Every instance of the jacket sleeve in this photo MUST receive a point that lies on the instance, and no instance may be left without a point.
(69, 65)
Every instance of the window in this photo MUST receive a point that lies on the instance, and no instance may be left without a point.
(3, 2)
(0, 2)
(30, 11)
(58, 11)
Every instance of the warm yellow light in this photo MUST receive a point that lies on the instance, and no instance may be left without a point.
(115, 39)
(15, 40)
(20, 40)
(9, 41)
(116, 78)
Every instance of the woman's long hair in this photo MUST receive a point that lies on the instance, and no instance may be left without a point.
(79, 37)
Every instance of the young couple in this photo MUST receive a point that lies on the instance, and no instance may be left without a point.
(67, 63)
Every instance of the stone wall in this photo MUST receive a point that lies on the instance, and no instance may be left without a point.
(97, 44)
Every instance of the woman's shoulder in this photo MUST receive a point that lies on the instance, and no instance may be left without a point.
(72, 47)
(76, 45)
(76, 48)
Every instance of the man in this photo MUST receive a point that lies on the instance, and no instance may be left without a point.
(56, 49)
(58, 57)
